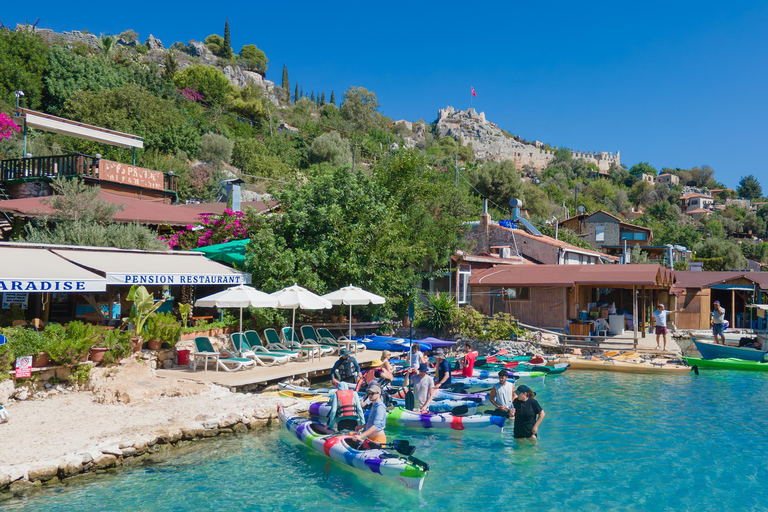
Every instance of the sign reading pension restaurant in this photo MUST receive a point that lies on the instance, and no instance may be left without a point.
(131, 175)
(174, 279)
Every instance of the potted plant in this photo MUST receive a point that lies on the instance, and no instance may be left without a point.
(144, 306)
(162, 328)
(113, 346)
(185, 311)
(28, 342)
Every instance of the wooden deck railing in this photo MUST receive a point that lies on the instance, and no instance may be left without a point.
(50, 167)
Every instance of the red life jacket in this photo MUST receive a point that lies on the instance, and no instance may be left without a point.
(346, 408)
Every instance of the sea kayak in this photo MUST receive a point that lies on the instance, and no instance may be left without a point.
(730, 363)
(443, 394)
(322, 410)
(390, 343)
(400, 417)
(614, 365)
(343, 448)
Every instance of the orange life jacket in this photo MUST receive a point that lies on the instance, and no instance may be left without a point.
(346, 408)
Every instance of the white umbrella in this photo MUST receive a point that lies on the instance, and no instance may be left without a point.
(294, 297)
(240, 296)
(353, 296)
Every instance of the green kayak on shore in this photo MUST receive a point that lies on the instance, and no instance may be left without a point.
(729, 363)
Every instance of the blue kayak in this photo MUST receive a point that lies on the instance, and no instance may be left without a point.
(390, 343)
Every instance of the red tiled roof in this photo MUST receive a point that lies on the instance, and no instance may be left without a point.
(556, 243)
(218, 208)
(702, 279)
(143, 211)
(570, 275)
(692, 195)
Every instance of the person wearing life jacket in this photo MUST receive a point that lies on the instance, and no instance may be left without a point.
(375, 375)
(468, 361)
(345, 369)
(346, 409)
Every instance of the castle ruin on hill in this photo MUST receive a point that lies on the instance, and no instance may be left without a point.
(491, 143)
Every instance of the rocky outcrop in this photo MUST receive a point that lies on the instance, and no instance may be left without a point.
(491, 143)
(239, 77)
(153, 43)
(198, 49)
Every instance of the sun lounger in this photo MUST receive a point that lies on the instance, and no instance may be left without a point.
(275, 343)
(288, 334)
(309, 333)
(259, 354)
(254, 340)
(325, 334)
(224, 359)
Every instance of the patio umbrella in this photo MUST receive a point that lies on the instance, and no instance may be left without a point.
(294, 297)
(353, 296)
(240, 296)
(228, 252)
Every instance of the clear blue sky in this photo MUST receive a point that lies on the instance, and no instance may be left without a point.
(674, 84)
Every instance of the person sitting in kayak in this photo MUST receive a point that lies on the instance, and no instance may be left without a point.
(528, 414)
(468, 361)
(376, 374)
(373, 430)
(387, 374)
(423, 388)
(443, 369)
(502, 396)
(345, 369)
(346, 409)
(414, 358)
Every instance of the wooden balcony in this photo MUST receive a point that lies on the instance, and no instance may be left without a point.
(21, 170)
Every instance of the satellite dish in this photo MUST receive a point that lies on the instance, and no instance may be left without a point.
(516, 203)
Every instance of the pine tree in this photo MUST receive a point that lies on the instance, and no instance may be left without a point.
(296, 96)
(312, 98)
(322, 99)
(285, 84)
(226, 51)
(301, 92)
(333, 99)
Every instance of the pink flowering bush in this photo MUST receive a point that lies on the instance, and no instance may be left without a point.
(210, 230)
(191, 94)
(7, 127)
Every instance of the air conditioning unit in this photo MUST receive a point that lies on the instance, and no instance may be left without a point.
(505, 252)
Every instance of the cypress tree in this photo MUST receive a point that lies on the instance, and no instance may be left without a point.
(286, 85)
(333, 99)
(227, 52)
(317, 100)
(322, 99)
(301, 92)
(312, 98)
(296, 93)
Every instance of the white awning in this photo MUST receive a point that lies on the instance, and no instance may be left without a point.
(63, 126)
(37, 270)
(124, 267)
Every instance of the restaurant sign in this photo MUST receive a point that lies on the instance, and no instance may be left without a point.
(20, 299)
(131, 175)
(175, 279)
(52, 285)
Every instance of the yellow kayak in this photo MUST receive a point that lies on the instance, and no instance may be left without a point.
(298, 394)
(617, 365)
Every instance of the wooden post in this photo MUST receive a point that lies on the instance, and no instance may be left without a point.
(645, 320)
(635, 316)
(733, 309)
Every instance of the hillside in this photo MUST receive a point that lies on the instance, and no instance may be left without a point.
(207, 112)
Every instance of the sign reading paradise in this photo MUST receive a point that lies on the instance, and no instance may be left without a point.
(174, 279)
(131, 175)
(53, 285)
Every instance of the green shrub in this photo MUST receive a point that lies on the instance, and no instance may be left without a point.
(469, 323)
(215, 149)
(163, 327)
(80, 374)
(118, 343)
(438, 312)
(24, 342)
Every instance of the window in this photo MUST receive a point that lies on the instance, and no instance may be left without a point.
(465, 271)
(518, 293)
(599, 233)
(632, 236)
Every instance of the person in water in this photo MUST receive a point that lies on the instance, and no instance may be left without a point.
(468, 361)
(375, 374)
(373, 430)
(443, 370)
(502, 395)
(345, 369)
(346, 409)
(423, 387)
(528, 414)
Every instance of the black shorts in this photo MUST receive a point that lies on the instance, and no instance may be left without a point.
(347, 424)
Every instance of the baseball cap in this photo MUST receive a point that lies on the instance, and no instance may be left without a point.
(423, 367)
(374, 388)
(717, 302)
(523, 389)
(439, 353)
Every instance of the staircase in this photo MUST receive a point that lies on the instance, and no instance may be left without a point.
(6, 224)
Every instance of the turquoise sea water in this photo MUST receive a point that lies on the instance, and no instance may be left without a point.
(609, 441)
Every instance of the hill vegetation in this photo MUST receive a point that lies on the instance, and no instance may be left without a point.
(360, 192)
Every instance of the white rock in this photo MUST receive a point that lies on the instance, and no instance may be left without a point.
(112, 450)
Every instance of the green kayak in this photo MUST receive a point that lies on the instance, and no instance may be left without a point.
(729, 363)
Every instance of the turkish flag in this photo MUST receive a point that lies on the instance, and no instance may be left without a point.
(473, 91)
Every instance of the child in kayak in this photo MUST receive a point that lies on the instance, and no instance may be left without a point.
(528, 414)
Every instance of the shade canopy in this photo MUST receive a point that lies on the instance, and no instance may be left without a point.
(353, 296)
(238, 297)
(36, 269)
(296, 297)
(230, 252)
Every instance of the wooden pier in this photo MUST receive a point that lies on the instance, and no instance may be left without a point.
(262, 376)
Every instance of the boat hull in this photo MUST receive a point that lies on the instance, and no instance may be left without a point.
(400, 417)
(611, 365)
(713, 351)
(729, 363)
(334, 446)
